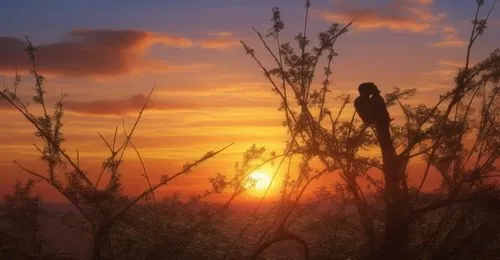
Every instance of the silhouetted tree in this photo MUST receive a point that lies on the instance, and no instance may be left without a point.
(102, 205)
(21, 235)
(391, 223)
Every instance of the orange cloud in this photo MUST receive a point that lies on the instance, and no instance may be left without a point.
(369, 19)
(119, 106)
(162, 67)
(398, 15)
(221, 34)
(426, 14)
(425, 2)
(448, 70)
(450, 38)
(449, 63)
(223, 40)
(443, 74)
(420, 2)
(403, 15)
(87, 52)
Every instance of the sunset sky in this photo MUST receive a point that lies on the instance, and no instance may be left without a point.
(107, 55)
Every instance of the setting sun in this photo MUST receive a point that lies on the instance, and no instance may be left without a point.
(258, 181)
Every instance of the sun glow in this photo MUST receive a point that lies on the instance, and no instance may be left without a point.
(258, 181)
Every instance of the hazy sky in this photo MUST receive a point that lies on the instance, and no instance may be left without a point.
(107, 55)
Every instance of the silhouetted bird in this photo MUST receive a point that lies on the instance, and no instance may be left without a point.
(370, 106)
(364, 105)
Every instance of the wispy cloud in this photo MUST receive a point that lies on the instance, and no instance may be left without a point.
(443, 73)
(413, 16)
(119, 106)
(222, 40)
(494, 23)
(87, 52)
(220, 34)
(450, 38)
(425, 2)
(417, 16)
(447, 69)
(162, 67)
(449, 63)
(369, 19)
